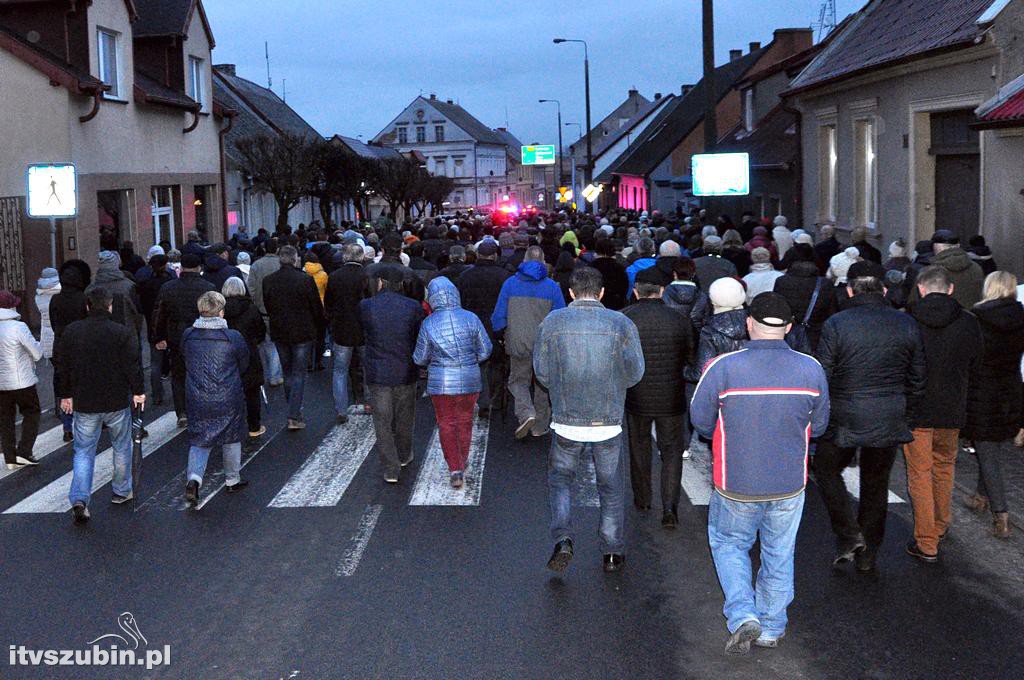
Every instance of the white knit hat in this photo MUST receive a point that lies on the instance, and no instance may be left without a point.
(726, 294)
(152, 252)
(840, 264)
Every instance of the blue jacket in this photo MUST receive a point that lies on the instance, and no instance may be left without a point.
(588, 356)
(215, 359)
(634, 269)
(525, 299)
(390, 322)
(761, 406)
(452, 342)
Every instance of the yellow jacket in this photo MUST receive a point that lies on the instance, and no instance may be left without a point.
(316, 270)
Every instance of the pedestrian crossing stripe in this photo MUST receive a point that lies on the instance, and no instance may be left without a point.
(46, 443)
(325, 476)
(53, 498)
(433, 486)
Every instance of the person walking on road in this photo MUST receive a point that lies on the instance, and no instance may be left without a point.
(660, 396)
(66, 307)
(587, 357)
(100, 380)
(260, 270)
(761, 405)
(216, 357)
(874, 359)
(452, 344)
(149, 291)
(242, 316)
(389, 325)
(19, 353)
(293, 303)
(47, 287)
(967, 275)
(176, 310)
(994, 395)
(952, 351)
(347, 287)
(524, 301)
(725, 330)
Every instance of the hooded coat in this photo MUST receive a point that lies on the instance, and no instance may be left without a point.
(69, 305)
(525, 299)
(687, 299)
(451, 343)
(216, 270)
(723, 332)
(967, 276)
(994, 393)
(126, 297)
(952, 352)
(45, 292)
(316, 270)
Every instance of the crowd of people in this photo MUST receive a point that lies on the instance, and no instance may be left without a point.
(783, 349)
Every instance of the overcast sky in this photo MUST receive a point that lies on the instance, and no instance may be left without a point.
(351, 66)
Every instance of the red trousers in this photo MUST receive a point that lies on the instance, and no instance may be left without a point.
(454, 413)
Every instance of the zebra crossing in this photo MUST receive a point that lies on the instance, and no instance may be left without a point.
(330, 469)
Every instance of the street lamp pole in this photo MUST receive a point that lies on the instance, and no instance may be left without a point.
(588, 170)
(561, 167)
(579, 133)
(710, 103)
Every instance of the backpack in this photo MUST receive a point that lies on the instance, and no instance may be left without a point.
(798, 336)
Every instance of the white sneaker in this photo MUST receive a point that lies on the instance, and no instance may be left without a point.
(22, 460)
(14, 466)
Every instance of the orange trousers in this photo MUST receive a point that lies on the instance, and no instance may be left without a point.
(931, 461)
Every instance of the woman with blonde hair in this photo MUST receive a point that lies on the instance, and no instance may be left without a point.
(994, 394)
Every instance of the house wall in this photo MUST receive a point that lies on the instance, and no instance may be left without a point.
(900, 100)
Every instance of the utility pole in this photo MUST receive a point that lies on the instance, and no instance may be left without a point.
(589, 169)
(710, 100)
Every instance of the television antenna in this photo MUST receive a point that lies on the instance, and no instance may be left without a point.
(826, 19)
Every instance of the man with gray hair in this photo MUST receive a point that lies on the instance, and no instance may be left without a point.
(293, 304)
(523, 303)
(644, 249)
(456, 264)
(762, 276)
(827, 246)
(347, 287)
(711, 266)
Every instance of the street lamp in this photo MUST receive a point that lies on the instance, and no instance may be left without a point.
(561, 168)
(588, 170)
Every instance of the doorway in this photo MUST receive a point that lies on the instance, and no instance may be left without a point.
(957, 153)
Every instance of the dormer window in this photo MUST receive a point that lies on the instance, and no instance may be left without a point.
(108, 60)
(748, 109)
(196, 81)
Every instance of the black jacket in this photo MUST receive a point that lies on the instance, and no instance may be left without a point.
(391, 324)
(723, 332)
(868, 252)
(797, 286)
(616, 282)
(740, 257)
(176, 307)
(952, 353)
(874, 359)
(149, 290)
(667, 340)
(434, 248)
(242, 316)
(346, 288)
(994, 394)
(827, 249)
(479, 288)
(69, 304)
(690, 301)
(293, 305)
(98, 364)
(216, 270)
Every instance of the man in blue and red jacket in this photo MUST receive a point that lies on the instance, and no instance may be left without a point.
(760, 406)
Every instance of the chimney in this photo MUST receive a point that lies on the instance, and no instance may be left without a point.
(228, 69)
(433, 97)
(793, 40)
(685, 89)
(448, 101)
(633, 93)
(735, 54)
(657, 96)
(755, 46)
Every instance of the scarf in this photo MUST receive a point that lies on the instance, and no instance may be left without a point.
(210, 322)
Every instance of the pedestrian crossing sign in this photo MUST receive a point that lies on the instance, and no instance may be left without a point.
(52, 190)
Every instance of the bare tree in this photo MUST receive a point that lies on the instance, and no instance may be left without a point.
(397, 181)
(339, 176)
(282, 166)
(437, 190)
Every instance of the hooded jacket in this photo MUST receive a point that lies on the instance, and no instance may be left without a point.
(994, 393)
(952, 352)
(47, 290)
(216, 270)
(451, 343)
(687, 299)
(316, 270)
(126, 297)
(524, 301)
(69, 305)
(723, 332)
(19, 353)
(966, 274)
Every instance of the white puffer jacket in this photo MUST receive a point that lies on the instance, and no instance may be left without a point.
(43, 297)
(19, 352)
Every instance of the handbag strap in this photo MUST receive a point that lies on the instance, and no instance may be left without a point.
(814, 301)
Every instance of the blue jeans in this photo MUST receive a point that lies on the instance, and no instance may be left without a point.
(87, 429)
(271, 362)
(732, 529)
(342, 358)
(294, 358)
(562, 465)
(199, 455)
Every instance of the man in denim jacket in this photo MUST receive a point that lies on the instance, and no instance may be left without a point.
(587, 356)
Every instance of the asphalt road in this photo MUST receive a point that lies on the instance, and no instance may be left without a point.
(320, 570)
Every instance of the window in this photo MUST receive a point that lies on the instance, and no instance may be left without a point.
(421, 134)
(748, 109)
(196, 80)
(458, 167)
(403, 135)
(162, 210)
(440, 167)
(439, 133)
(867, 175)
(107, 58)
(827, 161)
(203, 200)
(115, 212)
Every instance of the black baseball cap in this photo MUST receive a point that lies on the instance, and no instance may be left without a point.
(191, 261)
(653, 276)
(771, 309)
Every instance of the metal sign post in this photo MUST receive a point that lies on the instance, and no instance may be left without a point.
(52, 192)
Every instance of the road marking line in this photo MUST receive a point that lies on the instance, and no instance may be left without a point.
(851, 477)
(433, 485)
(357, 546)
(54, 496)
(325, 476)
(46, 443)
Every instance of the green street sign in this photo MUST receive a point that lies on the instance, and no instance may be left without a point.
(540, 154)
